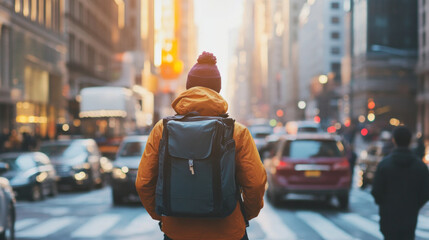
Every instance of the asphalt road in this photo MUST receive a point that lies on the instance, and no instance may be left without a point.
(91, 215)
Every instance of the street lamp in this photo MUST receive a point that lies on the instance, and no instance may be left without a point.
(323, 79)
(302, 105)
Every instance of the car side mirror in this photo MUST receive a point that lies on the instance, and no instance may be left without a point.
(4, 167)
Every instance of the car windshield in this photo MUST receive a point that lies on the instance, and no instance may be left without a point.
(63, 150)
(260, 131)
(19, 163)
(132, 149)
(300, 149)
(308, 129)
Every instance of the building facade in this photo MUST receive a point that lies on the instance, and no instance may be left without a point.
(383, 79)
(321, 48)
(423, 70)
(93, 31)
(33, 66)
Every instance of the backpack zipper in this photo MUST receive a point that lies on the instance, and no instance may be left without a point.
(191, 166)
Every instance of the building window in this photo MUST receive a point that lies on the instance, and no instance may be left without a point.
(5, 67)
(18, 6)
(423, 19)
(336, 69)
(335, 50)
(26, 8)
(72, 47)
(71, 7)
(424, 39)
(335, 20)
(48, 14)
(423, 2)
(34, 10)
(41, 6)
(335, 5)
(335, 35)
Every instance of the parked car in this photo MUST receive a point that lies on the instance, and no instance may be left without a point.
(7, 207)
(311, 164)
(259, 132)
(295, 127)
(31, 175)
(77, 162)
(125, 168)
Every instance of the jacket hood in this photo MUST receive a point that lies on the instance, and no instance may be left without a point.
(402, 157)
(205, 101)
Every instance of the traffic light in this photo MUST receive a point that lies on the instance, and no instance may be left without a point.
(371, 104)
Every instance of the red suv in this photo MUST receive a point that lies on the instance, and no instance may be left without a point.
(313, 164)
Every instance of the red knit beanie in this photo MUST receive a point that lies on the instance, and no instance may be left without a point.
(204, 73)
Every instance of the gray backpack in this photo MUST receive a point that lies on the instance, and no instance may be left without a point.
(197, 167)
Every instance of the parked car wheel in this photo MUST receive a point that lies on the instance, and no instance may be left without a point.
(54, 190)
(117, 199)
(344, 201)
(36, 193)
(9, 232)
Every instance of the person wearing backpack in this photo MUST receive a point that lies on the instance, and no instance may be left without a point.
(200, 174)
(400, 188)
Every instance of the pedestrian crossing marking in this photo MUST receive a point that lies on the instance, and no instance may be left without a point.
(273, 226)
(21, 224)
(422, 234)
(96, 226)
(140, 225)
(368, 226)
(423, 222)
(47, 228)
(324, 227)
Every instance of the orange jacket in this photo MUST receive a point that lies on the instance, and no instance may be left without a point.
(250, 175)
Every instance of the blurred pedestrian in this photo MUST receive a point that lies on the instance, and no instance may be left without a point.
(202, 96)
(400, 188)
(14, 141)
(352, 157)
(4, 137)
(27, 142)
(420, 149)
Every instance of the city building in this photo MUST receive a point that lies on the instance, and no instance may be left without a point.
(283, 86)
(96, 33)
(383, 79)
(33, 75)
(320, 49)
(423, 70)
(252, 64)
(174, 50)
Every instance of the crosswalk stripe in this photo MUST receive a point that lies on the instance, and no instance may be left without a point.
(363, 224)
(96, 226)
(273, 226)
(323, 226)
(47, 228)
(21, 224)
(141, 224)
(423, 222)
(422, 234)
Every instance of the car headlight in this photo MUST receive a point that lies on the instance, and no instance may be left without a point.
(106, 165)
(120, 173)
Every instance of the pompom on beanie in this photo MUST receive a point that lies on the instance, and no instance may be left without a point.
(205, 73)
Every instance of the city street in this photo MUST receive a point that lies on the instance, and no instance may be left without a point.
(91, 215)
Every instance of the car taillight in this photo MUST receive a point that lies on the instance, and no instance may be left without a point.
(284, 165)
(342, 165)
